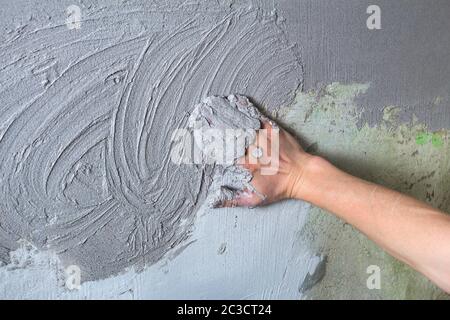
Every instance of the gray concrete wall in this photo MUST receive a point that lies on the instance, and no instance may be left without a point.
(406, 62)
(374, 102)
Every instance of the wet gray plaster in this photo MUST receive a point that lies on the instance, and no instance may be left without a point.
(407, 62)
(87, 117)
(221, 129)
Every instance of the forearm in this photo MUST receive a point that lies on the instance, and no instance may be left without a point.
(408, 229)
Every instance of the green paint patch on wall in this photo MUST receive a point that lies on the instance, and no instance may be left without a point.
(436, 138)
(403, 156)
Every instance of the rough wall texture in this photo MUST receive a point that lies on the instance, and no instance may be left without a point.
(84, 136)
(85, 147)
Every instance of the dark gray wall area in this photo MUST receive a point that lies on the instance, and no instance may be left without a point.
(407, 62)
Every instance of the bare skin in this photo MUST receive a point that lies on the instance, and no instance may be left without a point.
(408, 229)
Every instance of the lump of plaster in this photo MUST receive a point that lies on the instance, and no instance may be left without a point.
(223, 128)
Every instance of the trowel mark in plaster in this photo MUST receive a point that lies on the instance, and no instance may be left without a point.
(85, 167)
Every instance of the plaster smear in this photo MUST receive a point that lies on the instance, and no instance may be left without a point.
(87, 116)
(223, 128)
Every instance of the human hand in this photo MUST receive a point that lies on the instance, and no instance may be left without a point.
(270, 183)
